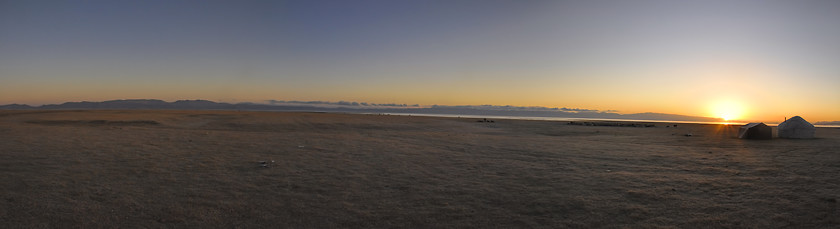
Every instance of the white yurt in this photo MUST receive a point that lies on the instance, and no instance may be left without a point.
(796, 127)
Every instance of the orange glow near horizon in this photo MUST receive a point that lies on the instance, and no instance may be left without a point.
(728, 110)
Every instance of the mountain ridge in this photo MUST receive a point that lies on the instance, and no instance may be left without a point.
(354, 107)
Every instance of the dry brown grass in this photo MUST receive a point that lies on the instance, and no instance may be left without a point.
(83, 169)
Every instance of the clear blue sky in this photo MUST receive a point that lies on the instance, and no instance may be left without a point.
(759, 59)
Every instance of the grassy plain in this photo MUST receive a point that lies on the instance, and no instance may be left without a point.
(199, 169)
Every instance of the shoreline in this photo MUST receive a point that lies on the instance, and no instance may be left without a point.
(534, 118)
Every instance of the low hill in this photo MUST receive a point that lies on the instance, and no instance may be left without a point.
(354, 107)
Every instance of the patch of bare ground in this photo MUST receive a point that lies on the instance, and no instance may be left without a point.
(198, 169)
(95, 122)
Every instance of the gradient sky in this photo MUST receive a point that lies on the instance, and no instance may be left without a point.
(762, 60)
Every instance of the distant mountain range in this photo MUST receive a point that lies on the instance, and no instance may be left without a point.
(831, 123)
(355, 107)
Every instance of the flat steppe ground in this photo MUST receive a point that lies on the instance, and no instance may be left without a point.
(202, 169)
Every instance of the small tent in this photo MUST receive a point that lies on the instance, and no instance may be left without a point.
(796, 127)
(756, 130)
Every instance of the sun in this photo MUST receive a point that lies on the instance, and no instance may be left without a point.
(728, 110)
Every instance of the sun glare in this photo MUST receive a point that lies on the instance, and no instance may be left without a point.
(728, 110)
